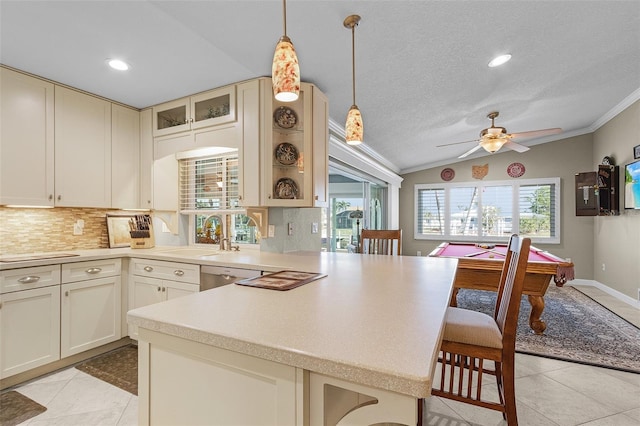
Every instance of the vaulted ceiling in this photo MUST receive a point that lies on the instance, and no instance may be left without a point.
(421, 66)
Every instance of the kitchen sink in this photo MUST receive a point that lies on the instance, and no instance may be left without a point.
(27, 257)
(193, 252)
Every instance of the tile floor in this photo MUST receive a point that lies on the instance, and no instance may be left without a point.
(549, 393)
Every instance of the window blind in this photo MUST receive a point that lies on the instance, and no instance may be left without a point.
(209, 184)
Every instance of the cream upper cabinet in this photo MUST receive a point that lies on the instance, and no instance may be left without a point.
(249, 149)
(294, 155)
(82, 150)
(146, 159)
(205, 109)
(26, 140)
(126, 168)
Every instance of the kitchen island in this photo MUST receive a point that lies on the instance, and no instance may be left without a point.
(358, 346)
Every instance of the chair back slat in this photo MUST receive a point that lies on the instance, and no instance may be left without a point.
(511, 286)
(381, 241)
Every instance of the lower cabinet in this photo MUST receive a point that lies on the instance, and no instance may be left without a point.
(29, 329)
(90, 314)
(148, 283)
(186, 382)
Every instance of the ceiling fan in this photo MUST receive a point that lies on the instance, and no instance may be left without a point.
(494, 138)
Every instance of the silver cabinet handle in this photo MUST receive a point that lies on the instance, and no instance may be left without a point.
(148, 268)
(178, 272)
(66, 293)
(28, 280)
(93, 270)
(59, 197)
(164, 289)
(159, 288)
(50, 197)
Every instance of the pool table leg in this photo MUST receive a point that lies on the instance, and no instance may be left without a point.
(537, 306)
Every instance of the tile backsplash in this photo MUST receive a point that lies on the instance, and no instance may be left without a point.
(24, 230)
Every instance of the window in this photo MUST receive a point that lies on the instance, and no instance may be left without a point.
(209, 195)
(489, 211)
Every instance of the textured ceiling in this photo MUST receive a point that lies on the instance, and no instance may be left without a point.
(421, 66)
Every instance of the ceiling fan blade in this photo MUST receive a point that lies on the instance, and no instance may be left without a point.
(536, 133)
(456, 143)
(471, 151)
(516, 146)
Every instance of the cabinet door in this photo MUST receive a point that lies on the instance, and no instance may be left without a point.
(82, 150)
(26, 140)
(171, 117)
(213, 107)
(320, 142)
(29, 329)
(249, 150)
(90, 314)
(146, 159)
(165, 183)
(143, 291)
(174, 289)
(125, 154)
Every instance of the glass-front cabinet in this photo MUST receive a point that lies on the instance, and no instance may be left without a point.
(205, 109)
(294, 156)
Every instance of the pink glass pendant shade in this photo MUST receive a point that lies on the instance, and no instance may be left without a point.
(285, 71)
(354, 128)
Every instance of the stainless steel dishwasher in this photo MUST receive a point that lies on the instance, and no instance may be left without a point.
(217, 276)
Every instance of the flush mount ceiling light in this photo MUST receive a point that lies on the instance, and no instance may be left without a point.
(499, 60)
(118, 64)
(285, 71)
(354, 129)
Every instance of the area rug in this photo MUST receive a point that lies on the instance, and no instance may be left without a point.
(578, 329)
(16, 408)
(118, 367)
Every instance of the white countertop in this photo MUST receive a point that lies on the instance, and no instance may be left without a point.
(374, 320)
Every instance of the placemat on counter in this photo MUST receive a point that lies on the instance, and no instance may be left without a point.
(282, 280)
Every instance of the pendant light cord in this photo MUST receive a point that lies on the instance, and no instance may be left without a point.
(284, 15)
(353, 60)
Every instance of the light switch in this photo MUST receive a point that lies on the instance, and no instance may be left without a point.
(290, 228)
(314, 228)
(271, 231)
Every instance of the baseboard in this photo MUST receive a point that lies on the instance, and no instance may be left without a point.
(612, 292)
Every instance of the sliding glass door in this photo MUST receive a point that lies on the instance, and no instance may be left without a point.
(357, 202)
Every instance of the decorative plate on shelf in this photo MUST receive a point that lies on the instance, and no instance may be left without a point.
(285, 117)
(286, 154)
(447, 174)
(286, 189)
(515, 170)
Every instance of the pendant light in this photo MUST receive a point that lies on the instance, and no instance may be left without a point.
(354, 129)
(285, 71)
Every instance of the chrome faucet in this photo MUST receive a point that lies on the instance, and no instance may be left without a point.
(222, 243)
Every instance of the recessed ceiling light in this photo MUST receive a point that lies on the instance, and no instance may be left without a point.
(499, 60)
(118, 64)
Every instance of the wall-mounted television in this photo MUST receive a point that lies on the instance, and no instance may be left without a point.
(632, 185)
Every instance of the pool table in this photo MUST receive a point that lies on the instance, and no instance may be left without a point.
(480, 266)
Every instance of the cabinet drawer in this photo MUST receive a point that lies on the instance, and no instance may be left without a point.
(29, 278)
(182, 272)
(80, 271)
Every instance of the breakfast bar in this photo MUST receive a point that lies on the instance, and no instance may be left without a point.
(357, 346)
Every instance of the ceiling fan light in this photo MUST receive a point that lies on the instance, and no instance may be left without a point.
(354, 129)
(499, 60)
(493, 144)
(285, 71)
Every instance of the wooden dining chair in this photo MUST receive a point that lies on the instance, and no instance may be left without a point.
(381, 241)
(472, 337)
